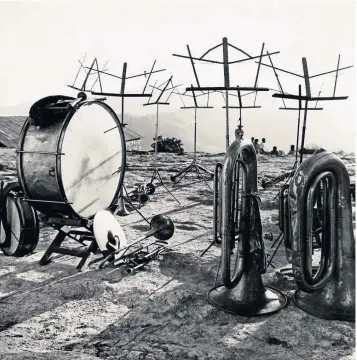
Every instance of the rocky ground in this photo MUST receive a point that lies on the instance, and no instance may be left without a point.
(56, 312)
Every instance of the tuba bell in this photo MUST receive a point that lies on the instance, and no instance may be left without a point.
(323, 180)
(237, 217)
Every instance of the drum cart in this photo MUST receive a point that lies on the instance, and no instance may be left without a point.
(63, 191)
(80, 231)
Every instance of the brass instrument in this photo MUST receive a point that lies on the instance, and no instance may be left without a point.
(284, 223)
(121, 209)
(161, 226)
(237, 213)
(140, 194)
(266, 184)
(216, 235)
(330, 292)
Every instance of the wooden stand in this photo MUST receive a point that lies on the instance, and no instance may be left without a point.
(71, 229)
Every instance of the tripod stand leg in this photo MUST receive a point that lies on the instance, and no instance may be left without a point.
(276, 240)
(160, 179)
(183, 174)
(209, 246)
(205, 170)
(274, 253)
(202, 177)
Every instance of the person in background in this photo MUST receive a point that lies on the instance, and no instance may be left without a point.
(239, 133)
(252, 140)
(256, 146)
(262, 147)
(292, 150)
(274, 151)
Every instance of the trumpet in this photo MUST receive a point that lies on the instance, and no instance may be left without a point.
(161, 227)
(330, 292)
(141, 193)
(237, 213)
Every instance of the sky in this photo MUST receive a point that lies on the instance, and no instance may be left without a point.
(41, 43)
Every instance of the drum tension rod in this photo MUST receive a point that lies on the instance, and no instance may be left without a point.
(39, 152)
(47, 201)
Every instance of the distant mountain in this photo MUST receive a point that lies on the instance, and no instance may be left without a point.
(16, 110)
(170, 125)
(173, 125)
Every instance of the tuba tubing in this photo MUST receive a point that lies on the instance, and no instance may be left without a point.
(217, 170)
(240, 160)
(337, 252)
(236, 210)
(282, 192)
(228, 228)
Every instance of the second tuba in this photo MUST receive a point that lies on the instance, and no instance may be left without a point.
(329, 292)
(237, 218)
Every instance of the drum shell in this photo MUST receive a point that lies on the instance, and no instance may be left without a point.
(39, 165)
(38, 173)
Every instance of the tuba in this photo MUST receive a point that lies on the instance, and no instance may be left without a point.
(237, 217)
(329, 293)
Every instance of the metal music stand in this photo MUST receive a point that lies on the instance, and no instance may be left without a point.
(156, 173)
(89, 71)
(308, 98)
(194, 166)
(121, 209)
(227, 87)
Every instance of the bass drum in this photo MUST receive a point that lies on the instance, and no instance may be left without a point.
(71, 157)
(19, 228)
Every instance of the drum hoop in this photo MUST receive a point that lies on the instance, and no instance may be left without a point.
(28, 218)
(19, 161)
(59, 150)
(21, 218)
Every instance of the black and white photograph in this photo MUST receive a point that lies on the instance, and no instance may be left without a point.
(177, 179)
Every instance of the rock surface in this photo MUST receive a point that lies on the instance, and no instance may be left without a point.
(55, 312)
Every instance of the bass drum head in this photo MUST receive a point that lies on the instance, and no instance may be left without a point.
(93, 164)
(19, 229)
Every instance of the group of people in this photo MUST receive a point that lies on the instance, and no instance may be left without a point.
(260, 148)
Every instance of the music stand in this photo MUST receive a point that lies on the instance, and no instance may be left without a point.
(156, 173)
(88, 73)
(227, 87)
(308, 97)
(193, 166)
(121, 209)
